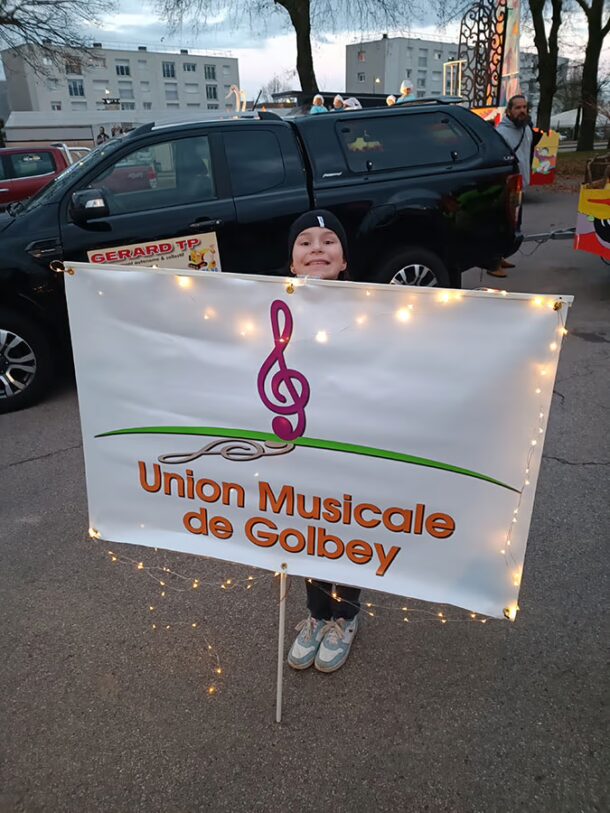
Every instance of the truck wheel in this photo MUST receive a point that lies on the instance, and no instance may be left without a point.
(414, 266)
(26, 366)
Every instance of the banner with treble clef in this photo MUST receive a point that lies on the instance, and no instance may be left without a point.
(385, 437)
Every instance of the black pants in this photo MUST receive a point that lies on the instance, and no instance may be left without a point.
(322, 605)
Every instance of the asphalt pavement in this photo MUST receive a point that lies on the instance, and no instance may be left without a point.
(101, 712)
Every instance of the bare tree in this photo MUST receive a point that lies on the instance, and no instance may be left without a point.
(597, 28)
(304, 16)
(48, 24)
(547, 47)
(276, 84)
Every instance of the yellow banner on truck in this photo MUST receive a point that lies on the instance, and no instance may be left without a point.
(197, 251)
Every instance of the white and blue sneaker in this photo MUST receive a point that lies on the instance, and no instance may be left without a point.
(303, 651)
(337, 639)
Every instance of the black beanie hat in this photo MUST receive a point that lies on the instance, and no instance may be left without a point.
(318, 218)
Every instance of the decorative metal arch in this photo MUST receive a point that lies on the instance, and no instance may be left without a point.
(482, 43)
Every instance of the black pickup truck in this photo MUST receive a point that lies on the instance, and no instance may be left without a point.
(425, 191)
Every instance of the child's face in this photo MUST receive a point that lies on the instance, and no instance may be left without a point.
(318, 253)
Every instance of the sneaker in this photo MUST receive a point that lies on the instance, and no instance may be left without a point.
(336, 643)
(303, 651)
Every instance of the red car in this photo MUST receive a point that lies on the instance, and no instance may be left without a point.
(26, 170)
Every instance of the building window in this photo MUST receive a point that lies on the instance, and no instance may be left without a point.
(408, 73)
(142, 62)
(172, 105)
(361, 56)
(421, 83)
(78, 105)
(55, 105)
(171, 91)
(194, 104)
(147, 105)
(145, 87)
(438, 54)
(213, 107)
(189, 67)
(128, 105)
(210, 72)
(74, 66)
(191, 87)
(422, 62)
(436, 76)
(100, 85)
(226, 70)
(211, 92)
(421, 94)
(169, 70)
(361, 77)
(125, 90)
(122, 68)
(76, 87)
(52, 84)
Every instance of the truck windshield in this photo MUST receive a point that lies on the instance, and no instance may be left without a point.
(67, 177)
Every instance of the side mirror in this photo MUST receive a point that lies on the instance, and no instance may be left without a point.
(89, 204)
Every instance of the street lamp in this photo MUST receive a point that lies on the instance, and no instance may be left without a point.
(377, 82)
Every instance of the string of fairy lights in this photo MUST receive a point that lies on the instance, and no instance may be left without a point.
(168, 580)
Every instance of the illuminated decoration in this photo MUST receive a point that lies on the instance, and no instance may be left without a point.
(489, 51)
(240, 98)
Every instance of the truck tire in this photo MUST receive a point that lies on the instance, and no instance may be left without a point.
(26, 365)
(414, 265)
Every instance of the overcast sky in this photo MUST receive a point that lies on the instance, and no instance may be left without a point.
(264, 48)
(267, 47)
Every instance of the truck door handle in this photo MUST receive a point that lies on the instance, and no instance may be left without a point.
(205, 224)
(41, 249)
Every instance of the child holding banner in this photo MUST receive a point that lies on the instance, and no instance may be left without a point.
(317, 246)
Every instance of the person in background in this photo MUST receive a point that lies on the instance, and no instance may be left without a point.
(102, 136)
(317, 246)
(390, 101)
(406, 88)
(516, 129)
(338, 103)
(352, 103)
(318, 105)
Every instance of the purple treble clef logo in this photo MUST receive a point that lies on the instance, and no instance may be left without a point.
(288, 390)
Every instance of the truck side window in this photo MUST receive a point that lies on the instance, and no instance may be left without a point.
(404, 141)
(255, 161)
(171, 173)
(29, 164)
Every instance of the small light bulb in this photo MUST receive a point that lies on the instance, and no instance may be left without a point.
(538, 390)
(553, 346)
(403, 314)
(218, 670)
(193, 625)
(140, 565)
(322, 336)
(184, 282)
(211, 689)
(534, 443)
(527, 482)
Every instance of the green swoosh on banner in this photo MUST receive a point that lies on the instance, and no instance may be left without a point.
(312, 443)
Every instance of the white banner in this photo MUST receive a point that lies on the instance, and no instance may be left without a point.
(387, 437)
(195, 251)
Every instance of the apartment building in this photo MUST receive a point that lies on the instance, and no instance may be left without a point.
(528, 76)
(139, 80)
(380, 66)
